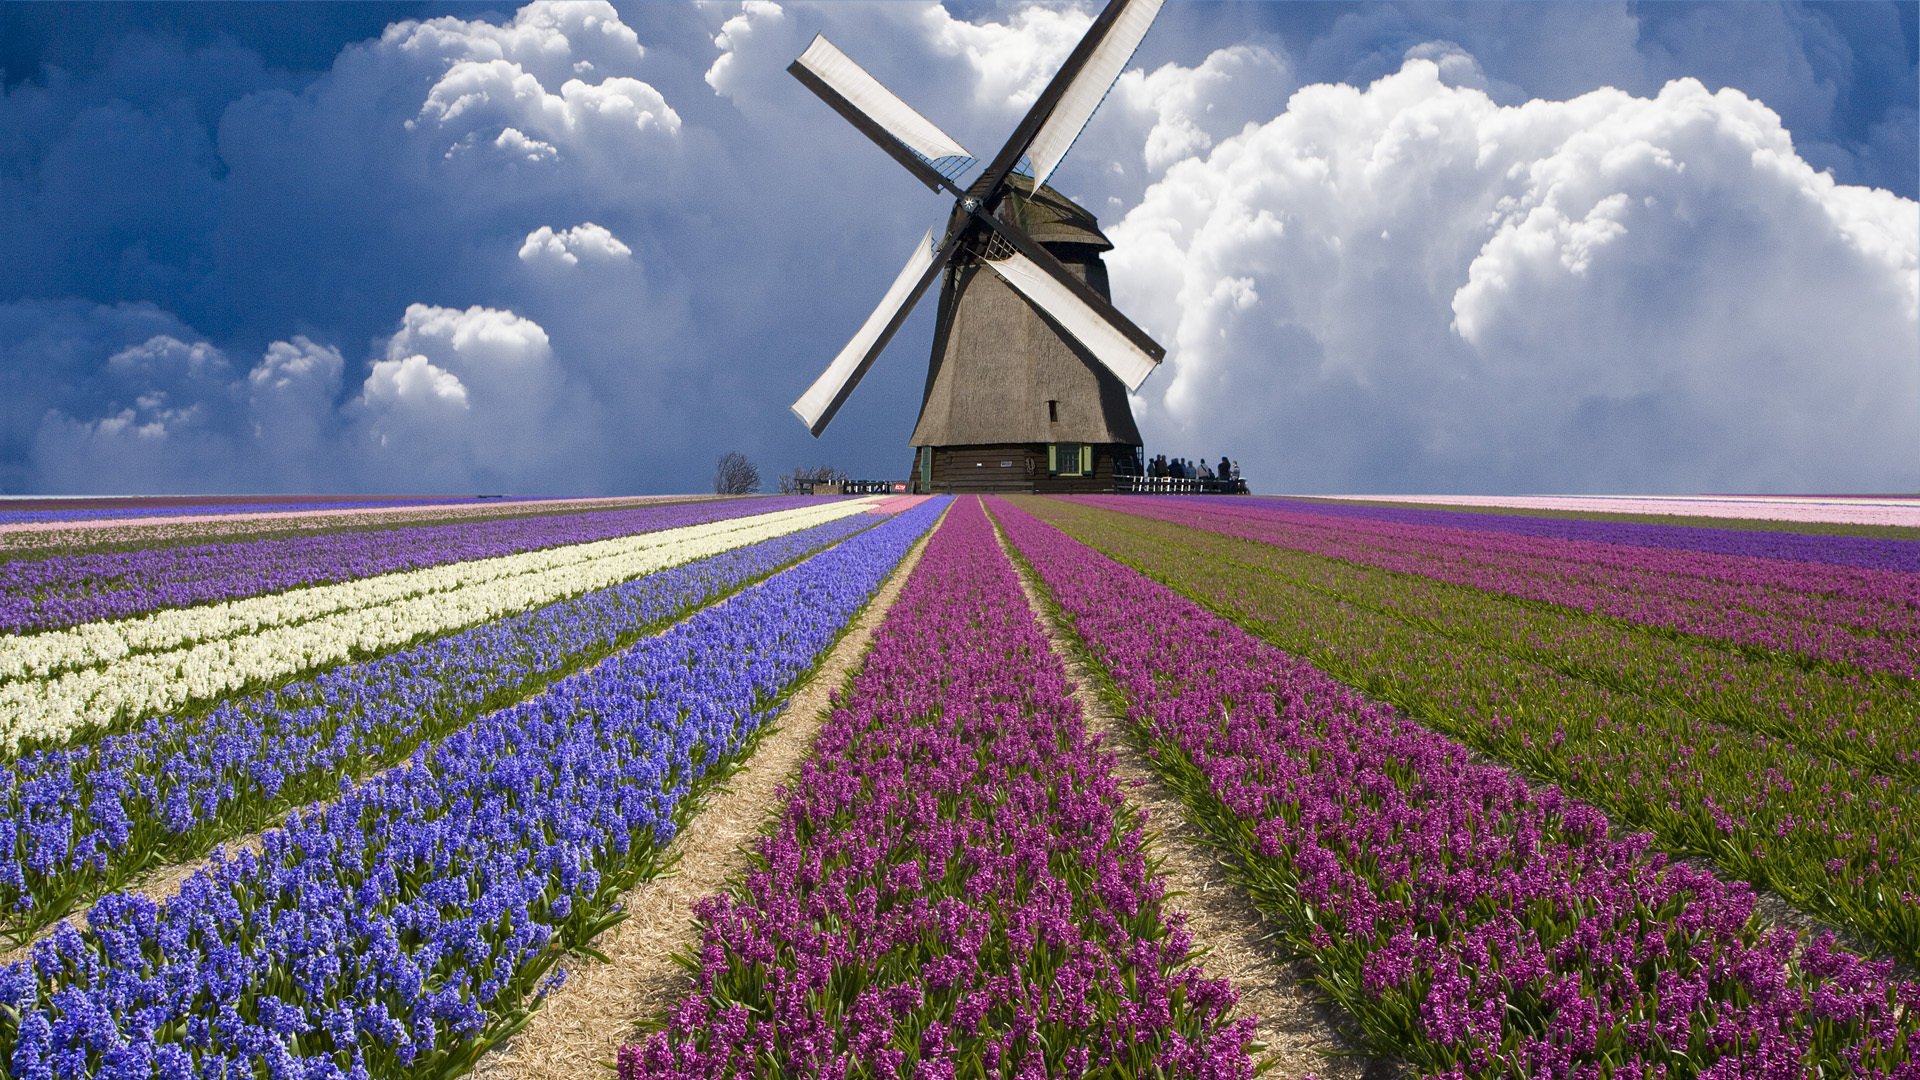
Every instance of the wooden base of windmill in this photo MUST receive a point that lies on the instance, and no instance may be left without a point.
(1039, 468)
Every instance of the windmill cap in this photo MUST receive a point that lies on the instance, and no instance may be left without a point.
(1050, 217)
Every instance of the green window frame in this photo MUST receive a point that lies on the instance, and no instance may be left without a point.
(1070, 459)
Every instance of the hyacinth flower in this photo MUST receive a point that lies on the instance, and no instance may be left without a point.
(1839, 840)
(409, 924)
(954, 887)
(1863, 617)
(1471, 924)
(1758, 537)
(66, 590)
(1849, 715)
(77, 821)
(1775, 568)
(186, 659)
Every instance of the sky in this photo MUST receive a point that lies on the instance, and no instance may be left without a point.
(588, 248)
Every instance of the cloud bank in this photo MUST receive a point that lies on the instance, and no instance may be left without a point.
(1410, 287)
(587, 249)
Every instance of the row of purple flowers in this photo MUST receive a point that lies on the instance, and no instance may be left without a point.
(1840, 549)
(1468, 922)
(1734, 768)
(406, 926)
(954, 887)
(1867, 618)
(1865, 598)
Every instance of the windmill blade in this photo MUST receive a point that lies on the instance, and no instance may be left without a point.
(828, 392)
(1075, 92)
(932, 155)
(1111, 337)
(1088, 87)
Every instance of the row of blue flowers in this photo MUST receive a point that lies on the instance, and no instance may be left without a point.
(410, 923)
(80, 820)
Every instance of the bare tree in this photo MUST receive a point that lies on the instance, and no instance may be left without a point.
(801, 480)
(735, 475)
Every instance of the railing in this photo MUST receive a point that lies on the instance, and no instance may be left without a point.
(861, 487)
(1176, 485)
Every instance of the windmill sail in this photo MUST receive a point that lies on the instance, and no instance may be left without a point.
(1068, 307)
(1089, 87)
(1107, 342)
(824, 398)
(915, 141)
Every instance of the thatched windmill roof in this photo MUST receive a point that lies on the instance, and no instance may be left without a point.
(1048, 217)
(1001, 371)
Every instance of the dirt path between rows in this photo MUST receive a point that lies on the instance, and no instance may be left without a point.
(1300, 1033)
(579, 1029)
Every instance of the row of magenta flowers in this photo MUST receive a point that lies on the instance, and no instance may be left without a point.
(1864, 618)
(67, 590)
(1754, 537)
(1703, 772)
(409, 923)
(1468, 922)
(1777, 570)
(79, 820)
(1848, 716)
(955, 886)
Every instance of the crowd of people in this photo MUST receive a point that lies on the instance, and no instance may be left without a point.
(1159, 466)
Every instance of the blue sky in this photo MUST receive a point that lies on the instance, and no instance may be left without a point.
(589, 248)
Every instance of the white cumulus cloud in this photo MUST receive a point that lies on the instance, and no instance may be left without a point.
(736, 35)
(291, 415)
(550, 38)
(468, 396)
(1012, 61)
(414, 381)
(567, 247)
(500, 94)
(1409, 286)
(475, 339)
(1189, 108)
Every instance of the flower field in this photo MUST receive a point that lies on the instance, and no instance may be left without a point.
(1544, 789)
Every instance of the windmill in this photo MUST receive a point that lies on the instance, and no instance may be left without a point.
(1027, 385)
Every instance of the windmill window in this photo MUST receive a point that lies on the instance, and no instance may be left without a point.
(1069, 459)
(1053, 411)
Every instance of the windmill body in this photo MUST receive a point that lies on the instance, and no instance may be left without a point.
(1027, 386)
(1013, 403)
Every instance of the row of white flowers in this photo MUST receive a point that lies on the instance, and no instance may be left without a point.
(52, 652)
(368, 615)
